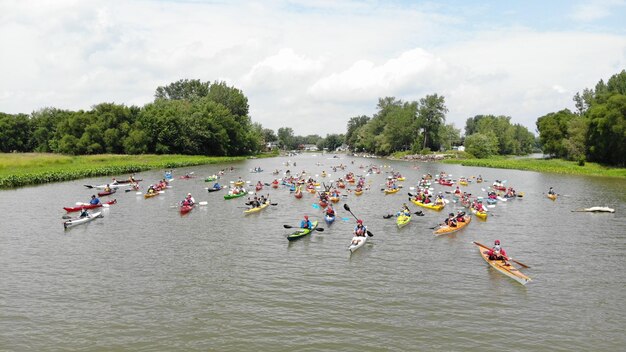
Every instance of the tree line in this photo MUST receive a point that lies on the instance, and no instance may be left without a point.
(186, 117)
(419, 126)
(595, 131)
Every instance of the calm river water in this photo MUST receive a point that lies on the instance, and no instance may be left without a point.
(143, 278)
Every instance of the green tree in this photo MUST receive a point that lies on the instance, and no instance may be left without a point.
(553, 131)
(431, 116)
(183, 89)
(354, 124)
(449, 136)
(286, 138)
(482, 145)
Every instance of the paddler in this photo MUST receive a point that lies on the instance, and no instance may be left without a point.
(329, 210)
(190, 199)
(360, 230)
(405, 211)
(451, 220)
(551, 191)
(497, 252)
(479, 206)
(107, 188)
(306, 223)
(94, 200)
(84, 213)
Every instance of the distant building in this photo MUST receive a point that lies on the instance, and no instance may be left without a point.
(308, 147)
(342, 148)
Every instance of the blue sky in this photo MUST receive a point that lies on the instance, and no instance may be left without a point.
(311, 65)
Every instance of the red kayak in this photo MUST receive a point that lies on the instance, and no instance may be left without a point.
(323, 204)
(88, 206)
(259, 187)
(274, 185)
(102, 194)
(446, 183)
(184, 209)
(499, 188)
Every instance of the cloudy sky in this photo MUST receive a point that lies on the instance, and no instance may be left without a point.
(311, 65)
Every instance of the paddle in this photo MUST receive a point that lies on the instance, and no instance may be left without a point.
(509, 258)
(291, 227)
(88, 186)
(346, 207)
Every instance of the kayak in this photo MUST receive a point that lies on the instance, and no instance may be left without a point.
(479, 180)
(499, 188)
(274, 185)
(334, 199)
(357, 242)
(214, 189)
(88, 206)
(341, 185)
(492, 200)
(323, 204)
(184, 209)
(392, 190)
(129, 181)
(239, 183)
(432, 206)
(444, 230)
(258, 187)
(401, 178)
(480, 214)
(298, 194)
(150, 195)
(402, 221)
(445, 183)
(211, 178)
(302, 232)
(463, 183)
(78, 221)
(358, 193)
(102, 194)
(257, 209)
(231, 196)
(329, 219)
(111, 185)
(508, 270)
(552, 196)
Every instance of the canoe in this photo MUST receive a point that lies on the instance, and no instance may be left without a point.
(480, 214)
(334, 199)
(552, 196)
(444, 230)
(231, 196)
(302, 232)
(257, 209)
(360, 241)
(329, 219)
(128, 181)
(102, 194)
(184, 209)
(508, 270)
(402, 221)
(88, 206)
(391, 191)
(432, 206)
(358, 193)
(78, 221)
(150, 195)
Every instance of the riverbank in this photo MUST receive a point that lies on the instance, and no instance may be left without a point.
(558, 166)
(23, 169)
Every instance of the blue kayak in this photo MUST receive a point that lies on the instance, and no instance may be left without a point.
(329, 219)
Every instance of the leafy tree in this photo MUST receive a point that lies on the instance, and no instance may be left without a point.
(15, 133)
(354, 124)
(553, 130)
(286, 138)
(431, 116)
(183, 89)
(482, 145)
(449, 136)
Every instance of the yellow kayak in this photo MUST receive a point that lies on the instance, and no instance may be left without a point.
(444, 230)
(391, 191)
(257, 209)
(358, 193)
(402, 220)
(334, 199)
(552, 196)
(463, 183)
(239, 183)
(500, 265)
(480, 214)
(432, 206)
(401, 178)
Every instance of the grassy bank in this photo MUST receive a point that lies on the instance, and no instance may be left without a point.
(21, 169)
(543, 165)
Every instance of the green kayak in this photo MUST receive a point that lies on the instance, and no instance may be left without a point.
(231, 196)
(302, 232)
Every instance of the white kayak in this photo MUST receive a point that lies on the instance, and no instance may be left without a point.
(78, 221)
(357, 242)
(597, 210)
(111, 185)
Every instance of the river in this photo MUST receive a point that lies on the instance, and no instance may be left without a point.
(144, 278)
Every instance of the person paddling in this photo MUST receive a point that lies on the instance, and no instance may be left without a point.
(329, 210)
(451, 220)
(360, 230)
(84, 213)
(497, 252)
(551, 191)
(94, 200)
(306, 223)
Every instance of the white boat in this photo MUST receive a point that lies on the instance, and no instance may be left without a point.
(111, 185)
(357, 242)
(78, 221)
(597, 210)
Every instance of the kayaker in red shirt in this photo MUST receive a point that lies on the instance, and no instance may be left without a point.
(451, 220)
(360, 229)
(329, 210)
(497, 252)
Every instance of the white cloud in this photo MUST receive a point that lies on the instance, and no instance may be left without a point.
(300, 65)
(593, 10)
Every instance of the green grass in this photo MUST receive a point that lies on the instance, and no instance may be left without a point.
(21, 169)
(558, 166)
